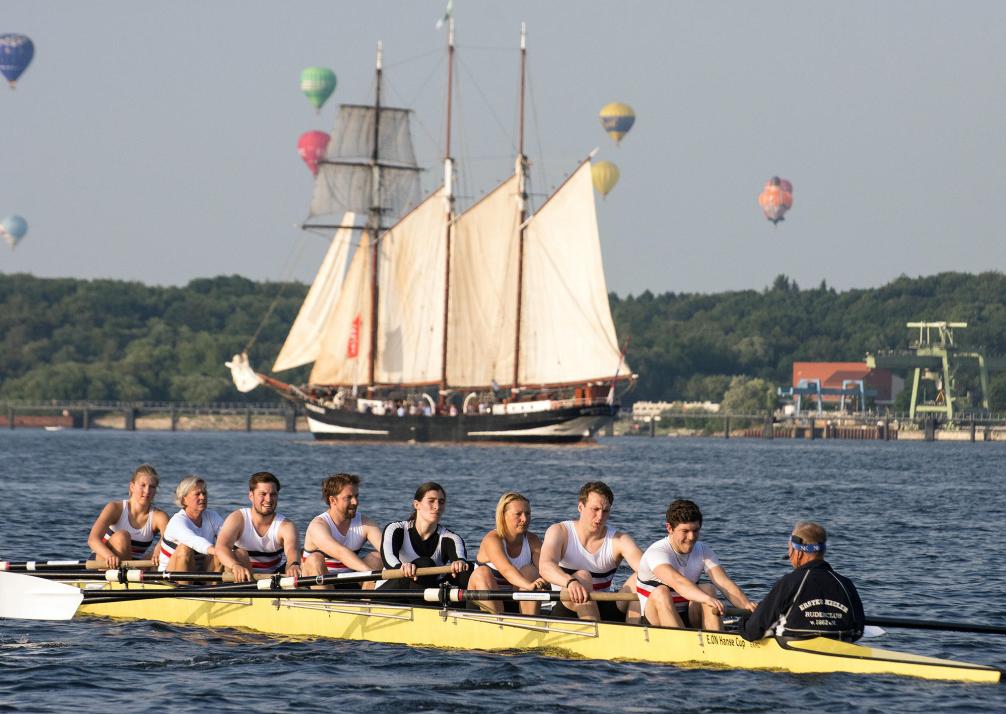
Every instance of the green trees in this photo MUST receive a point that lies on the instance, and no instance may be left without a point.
(113, 340)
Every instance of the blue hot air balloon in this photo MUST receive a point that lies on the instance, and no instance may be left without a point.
(13, 229)
(16, 52)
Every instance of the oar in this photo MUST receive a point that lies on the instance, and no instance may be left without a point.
(913, 624)
(35, 565)
(459, 595)
(336, 578)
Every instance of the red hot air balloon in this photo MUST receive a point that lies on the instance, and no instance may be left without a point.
(311, 146)
(776, 198)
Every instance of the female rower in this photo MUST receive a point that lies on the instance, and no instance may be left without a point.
(187, 544)
(125, 530)
(508, 555)
(421, 542)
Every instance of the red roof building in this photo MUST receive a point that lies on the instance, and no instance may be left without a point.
(832, 374)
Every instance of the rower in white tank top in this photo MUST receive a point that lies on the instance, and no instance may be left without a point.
(266, 551)
(140, 538)
(523, 558)
(354, 540)
(601, 565)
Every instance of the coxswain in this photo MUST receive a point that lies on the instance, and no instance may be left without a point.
(812, 600)
(334, 539)
(258, 539)
(508, 555)
(422, 542)
(189, 541)
(669, 571)
(582, 556)
(125, 530)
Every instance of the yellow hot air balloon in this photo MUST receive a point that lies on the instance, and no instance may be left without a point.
(617, 119)
(604, 174)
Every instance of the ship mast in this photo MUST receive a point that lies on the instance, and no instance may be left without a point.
(374, 220)
(449, 207)
(521, 169)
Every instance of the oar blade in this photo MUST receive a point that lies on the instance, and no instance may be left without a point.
(24, 597)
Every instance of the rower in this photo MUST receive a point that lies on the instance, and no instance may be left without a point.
(508, 555)
(812, 600)
(188, 544)
(125, 530)
(422, 542)
(583, 555)
(668, 589)
(334, 539)
(258, 539)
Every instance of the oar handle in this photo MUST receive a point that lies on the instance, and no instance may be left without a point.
(460, 595)
(100, 564)
(397, 574)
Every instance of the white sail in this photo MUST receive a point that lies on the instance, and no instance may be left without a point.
(482, 320)
(567, 334)
(303, 343)
(345, 342)
(345, 176)
(411, 308)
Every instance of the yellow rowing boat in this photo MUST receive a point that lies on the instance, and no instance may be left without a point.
(430, 626)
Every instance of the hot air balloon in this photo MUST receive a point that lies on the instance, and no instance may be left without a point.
(13, 229)
(617, 119)
(311, 147)
(604, 174)
(16, 52)
(317, 83)
(776, 198)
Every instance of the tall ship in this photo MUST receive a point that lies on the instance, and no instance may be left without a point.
(426, 323)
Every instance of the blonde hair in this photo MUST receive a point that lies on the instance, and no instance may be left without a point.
(146, 470)
(187, 484)
(505, 500)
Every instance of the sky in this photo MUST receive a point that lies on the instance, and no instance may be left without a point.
(157, 141)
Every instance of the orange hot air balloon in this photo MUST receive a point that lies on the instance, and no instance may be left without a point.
(776, 198)
(311, 146)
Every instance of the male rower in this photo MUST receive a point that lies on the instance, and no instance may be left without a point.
(583, 555)
(668, 589)
(334, 539)
(258, 539)
(812, 600)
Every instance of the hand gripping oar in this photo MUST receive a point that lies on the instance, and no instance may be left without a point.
(913, 624)
(44, 565)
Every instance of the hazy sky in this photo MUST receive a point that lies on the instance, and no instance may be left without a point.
(157, 141)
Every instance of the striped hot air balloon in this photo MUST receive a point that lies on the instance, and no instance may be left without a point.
(776, 198)
(317, 84)
(617, 119)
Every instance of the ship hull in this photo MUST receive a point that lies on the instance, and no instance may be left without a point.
(564, 425)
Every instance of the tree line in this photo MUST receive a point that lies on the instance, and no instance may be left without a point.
(125, 341)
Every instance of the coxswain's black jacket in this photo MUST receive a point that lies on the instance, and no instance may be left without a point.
(811, 601)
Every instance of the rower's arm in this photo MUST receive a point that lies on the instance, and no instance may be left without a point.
(109, 515)
(291, 551)
(627, 548)
(495, 550)
(230, 531)
(729, 588)
(552, 549)
(681, 585)
(391, 545)
(373, 533)
(321, 538)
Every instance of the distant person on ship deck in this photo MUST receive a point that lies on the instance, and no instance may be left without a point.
(189, 541)
(669, 571)
(812, 600)
(583, 555)
(258, 539)
(422, 542)
(508, 555)
(334, 539)
(125, 530)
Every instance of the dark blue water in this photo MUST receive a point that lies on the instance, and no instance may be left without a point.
(917, 526)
